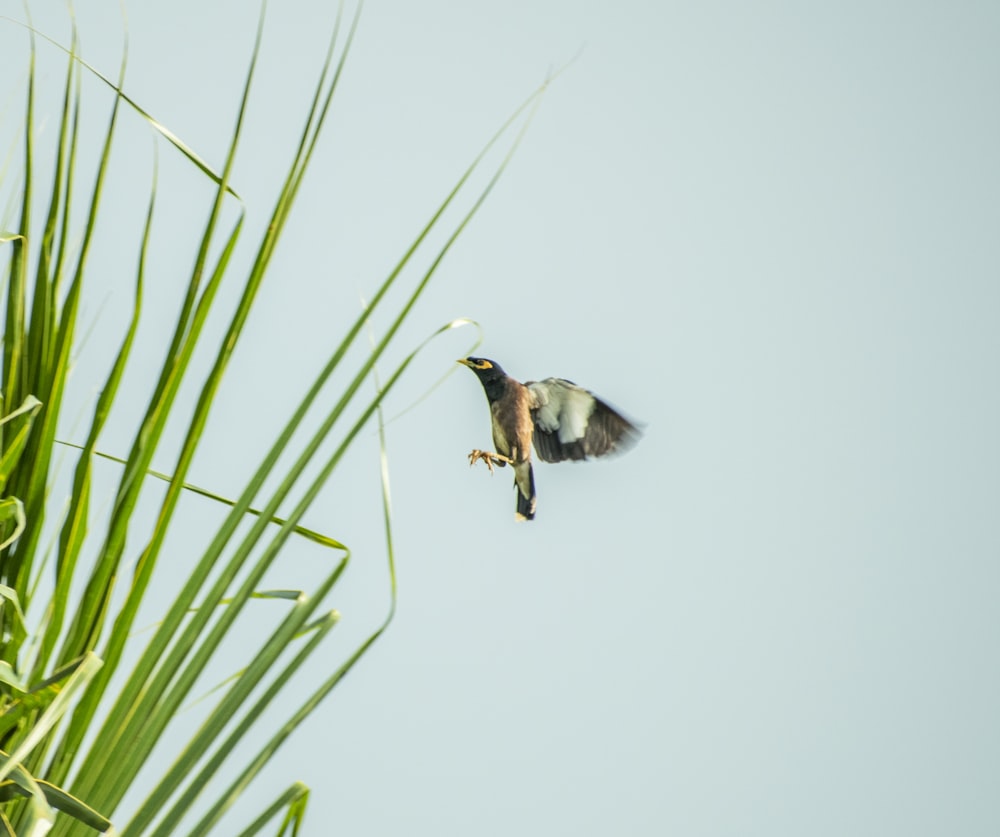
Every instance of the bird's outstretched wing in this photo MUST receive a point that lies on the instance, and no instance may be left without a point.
(572, 423)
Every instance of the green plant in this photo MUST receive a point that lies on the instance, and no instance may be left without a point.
(72, 736)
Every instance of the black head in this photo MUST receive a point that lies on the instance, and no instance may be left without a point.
(485, 369)
(490, 374)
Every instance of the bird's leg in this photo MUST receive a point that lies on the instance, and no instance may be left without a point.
(489, 458)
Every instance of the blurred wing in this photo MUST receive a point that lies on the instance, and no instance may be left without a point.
(572, 423)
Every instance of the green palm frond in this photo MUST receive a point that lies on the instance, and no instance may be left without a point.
(85, 698)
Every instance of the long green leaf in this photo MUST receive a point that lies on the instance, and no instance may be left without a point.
(39, 816)
(35, 490)
(74, 528)
(229, 573)
(83, 671)
(308, 534)
(15, 442)
(295, 798)
(215, 725)
(157, 126)
(181, 607)
(13, 338)
(60, 800)
(150, 716)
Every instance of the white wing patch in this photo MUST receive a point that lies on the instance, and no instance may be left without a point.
(563, 407)
(572, 423)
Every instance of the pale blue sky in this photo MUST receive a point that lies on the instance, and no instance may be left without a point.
(768, 231)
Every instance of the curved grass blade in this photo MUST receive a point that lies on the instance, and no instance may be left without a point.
(81, 674)
(43, 707)
(13, 445)
(9, 601)
(452, 368)
(40, 816)
(30, 405)
(12, 520)
(295, 798)
(157, 126)
(308, 534)
(61, 801)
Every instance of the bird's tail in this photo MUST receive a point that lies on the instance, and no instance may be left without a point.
(524, 484)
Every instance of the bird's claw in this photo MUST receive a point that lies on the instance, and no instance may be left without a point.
(488, 457)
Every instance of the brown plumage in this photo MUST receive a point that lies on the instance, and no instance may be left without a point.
(563, 421)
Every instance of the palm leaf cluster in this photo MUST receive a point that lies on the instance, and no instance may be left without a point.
(81, 710)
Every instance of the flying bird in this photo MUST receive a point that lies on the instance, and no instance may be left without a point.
(563, 420)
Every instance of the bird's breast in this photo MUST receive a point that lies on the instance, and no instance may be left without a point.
(512, 426)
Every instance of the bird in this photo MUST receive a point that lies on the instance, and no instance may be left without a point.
(562, 420)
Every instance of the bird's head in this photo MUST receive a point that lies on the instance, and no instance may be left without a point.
(486, 369)
(490, 375)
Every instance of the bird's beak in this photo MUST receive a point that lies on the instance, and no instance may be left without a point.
(464, 362)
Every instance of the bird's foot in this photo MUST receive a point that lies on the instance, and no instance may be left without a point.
(489, 458)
